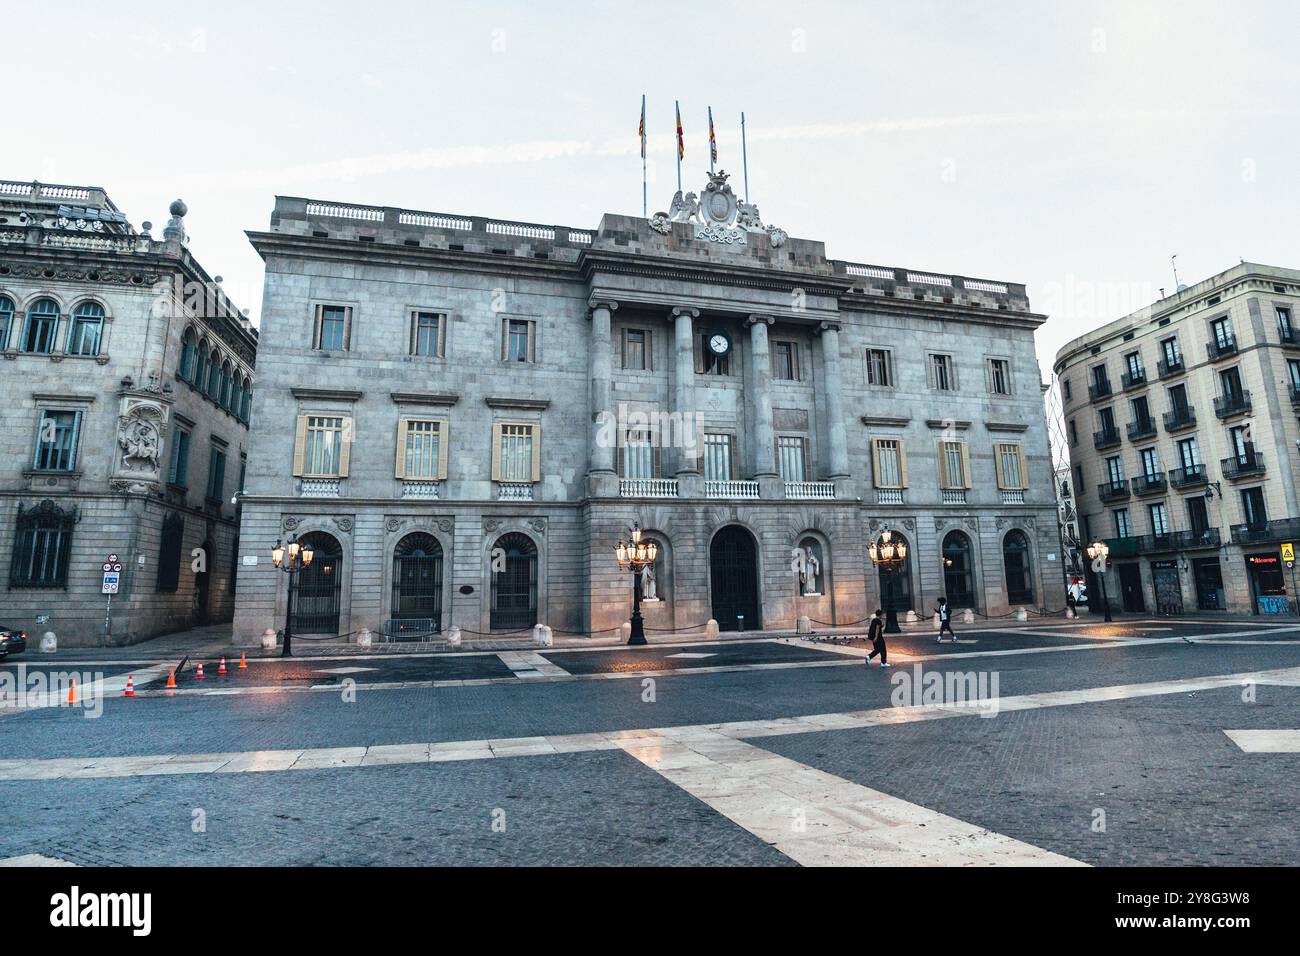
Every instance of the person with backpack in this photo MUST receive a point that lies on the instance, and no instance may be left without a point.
(876, 634)
(945, 619)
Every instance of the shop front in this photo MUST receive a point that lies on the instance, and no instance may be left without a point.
(1267, 584)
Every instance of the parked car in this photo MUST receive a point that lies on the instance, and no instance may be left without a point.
(12, 641)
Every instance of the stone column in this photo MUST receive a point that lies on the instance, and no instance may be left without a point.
(688, 462)
(837, 437)
(601, 476)
(760, 394)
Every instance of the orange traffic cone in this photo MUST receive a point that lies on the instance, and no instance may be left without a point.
(130, 686)
(199, 675)
(243, 664)
(171, 678)
(72, 692)
(221, 671)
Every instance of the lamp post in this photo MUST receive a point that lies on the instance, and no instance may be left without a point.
(889, 556)
(290, 559)
(636, 558)
(1099, 552)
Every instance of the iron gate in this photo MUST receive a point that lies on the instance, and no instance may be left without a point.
(514, 587)
(317, 587)
(417, 580)
(733, 567)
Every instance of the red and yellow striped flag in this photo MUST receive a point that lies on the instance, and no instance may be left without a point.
(681, 142)
(713, 139)
(641, 129)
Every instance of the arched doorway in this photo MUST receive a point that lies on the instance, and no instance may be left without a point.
(417, 581)
(317, 587)
(896, 585)
(958, 574)
(513, 570)
(733, 574)
(1015, 560)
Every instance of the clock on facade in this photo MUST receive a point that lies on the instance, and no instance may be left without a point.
(719, 343)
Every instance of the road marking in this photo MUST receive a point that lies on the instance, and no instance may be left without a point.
(819, 819)
(34, 859)
(316, 758)
(346, 670)
(103, 689)
(686, 654)
(530, 665)
(1266, 741)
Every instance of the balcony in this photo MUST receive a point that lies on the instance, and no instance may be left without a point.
(1106, 438)
(1113, 490)
(1194, 540)
(647, 488)
(1141, 429)
(1168, 369)
(422, 490)
(1153, 484)
(1284, 529)
(1014, 496)
(1189, 476)
(1132, 380)
(731, 489)
(889, 496)
(1180, 418)
(1234, 403)
(1099, 390)
(1221, 349)
(514, 491)
(1295, 393)
(953, 496)
(320, 488)
(810, 490)
(1246, 465)
(1288, 336)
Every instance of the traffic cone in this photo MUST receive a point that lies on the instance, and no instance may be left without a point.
(243, 664)
(221, 671)
(72, 692)
(199, 675)
(130, 686)
(171, 678)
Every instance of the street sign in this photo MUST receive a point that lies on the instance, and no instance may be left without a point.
(111, 581)
(1288, 551)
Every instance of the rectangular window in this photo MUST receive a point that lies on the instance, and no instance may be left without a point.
(333, 328)
(1065, 387)
(1115, 470)
(1198, 515)
(42, 545)
(941, 373)
(880, 371)
(785, 361)
(1106, 418)
(1159, 520)
(1221, 331)
(637, 456)
(1150, 463)
(1133, 362)
(427, 330)
(999, 376)
(1178, 398)
(1293, 368)
(1252, 507)
(321, 449)
(516, 452)
(636, 349)
(216, 474)
(1284, 323)
(87, 324)
(1189, 453)
(178, 470)
(1100, 379)
(718, 449)
(954, 465)
(1169, 349)
(1122, 526)
(792, 457)
(56, 441)
(1074, 433)
(422, 449)
(519, 340)
(1230, 379)
(1010, 458)
(890, 463)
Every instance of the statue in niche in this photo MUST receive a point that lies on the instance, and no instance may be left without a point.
(809, 570)
(649, 587)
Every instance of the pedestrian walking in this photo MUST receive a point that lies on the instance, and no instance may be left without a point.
(945, 619)
(876, 634)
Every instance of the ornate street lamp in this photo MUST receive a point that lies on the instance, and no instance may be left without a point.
(636, 558)
(290, 559)
(890, 557)
(1098, 552)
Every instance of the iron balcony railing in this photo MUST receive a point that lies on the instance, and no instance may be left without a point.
(1189, 476)
(1295, 393)
(1113, 490)
(1149, 484)
(1133, 379)
(1289, 336)
(1168, 368)
(1179, 418)
(1179, 541)
(1142, 428)
(1106, 438)
(1221, 349)
(1283, 529)
(1234, 403)
(1099, 390)
(1244, 465)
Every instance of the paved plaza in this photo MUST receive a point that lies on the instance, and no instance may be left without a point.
(1147, 742)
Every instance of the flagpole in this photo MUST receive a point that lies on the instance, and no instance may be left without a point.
(645, 205)
(678, 106)
(744, 152)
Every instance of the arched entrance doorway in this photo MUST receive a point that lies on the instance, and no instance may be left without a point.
(733, 575)
(896, 585)
(318, 586)
(514, 582)
(958, 576)
(1015, 560)
(417, 581)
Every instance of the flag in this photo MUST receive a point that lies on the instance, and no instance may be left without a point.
(713, 140)
(681, 143)
(641, 129)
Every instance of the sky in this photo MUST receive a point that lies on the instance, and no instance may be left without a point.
(1071, 146)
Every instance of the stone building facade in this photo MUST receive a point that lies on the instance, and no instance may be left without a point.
(1183, 433)
(126, 379)
(464, 416)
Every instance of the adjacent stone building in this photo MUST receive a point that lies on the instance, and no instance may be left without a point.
(126, 381)
(1183, 437)
(463, 416)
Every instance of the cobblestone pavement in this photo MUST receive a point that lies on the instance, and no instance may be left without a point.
(1173, 787)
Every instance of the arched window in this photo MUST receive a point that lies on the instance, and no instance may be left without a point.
(200, 379)
(958, 576)
(86, 330)
(247, 408)
(236, 395)
(187, 355)
(42, 544)
(214, 375)
(319, 586)
(1015, 559)
(226, 381)
(811, 562)
(514, 583)
(417, 582)
(41, 328)
(6, 320)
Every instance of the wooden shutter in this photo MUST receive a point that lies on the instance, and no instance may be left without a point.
(697, 348)
(345, 446)
(444, 440)
(532, 340)
(875, 462)
(997, 460)
(649, 351)
(496, 452)
(505, 337)
(535, 473)
(941, 455)
(965, 465)
(929, 371)
(347, 329)
(902, 464)
(300, 446)
(399, 468)
(1024, 474)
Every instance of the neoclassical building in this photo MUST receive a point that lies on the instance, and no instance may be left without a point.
(464, 415)
(126, 379)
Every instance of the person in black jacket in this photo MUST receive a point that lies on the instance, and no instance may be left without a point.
(876, 634)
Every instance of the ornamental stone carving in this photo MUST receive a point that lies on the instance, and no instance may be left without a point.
(343, 524)
(717, 214)
(289, 523)
(142, 419)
